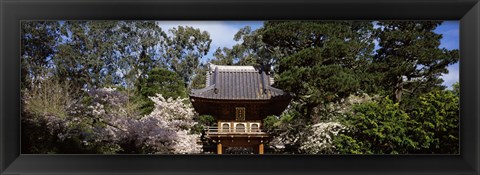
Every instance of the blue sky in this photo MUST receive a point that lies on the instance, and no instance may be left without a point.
(222, 32)
(451, 39)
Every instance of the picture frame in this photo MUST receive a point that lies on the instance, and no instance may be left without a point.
(13, 162)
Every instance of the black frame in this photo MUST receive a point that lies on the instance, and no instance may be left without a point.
(12, 12)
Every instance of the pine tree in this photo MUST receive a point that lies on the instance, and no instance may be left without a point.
(409, 59)
(159, 81)
(321, 58)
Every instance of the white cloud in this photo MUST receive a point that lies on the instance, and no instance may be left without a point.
(452, 77)
(220, 32)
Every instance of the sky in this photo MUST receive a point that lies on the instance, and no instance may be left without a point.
(222, 32)
(451, 39)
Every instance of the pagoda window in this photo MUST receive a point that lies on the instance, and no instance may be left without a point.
(254, 127)
(240, 114)
(240, 127)
(225, 127)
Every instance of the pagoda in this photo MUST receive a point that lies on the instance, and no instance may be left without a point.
(239, 98)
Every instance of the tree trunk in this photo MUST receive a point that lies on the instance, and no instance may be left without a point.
(398, 91)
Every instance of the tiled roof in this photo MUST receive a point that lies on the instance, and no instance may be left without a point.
(237, 82)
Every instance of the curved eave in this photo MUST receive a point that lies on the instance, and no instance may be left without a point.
(283, 97)
(204, 94)
(201, 91)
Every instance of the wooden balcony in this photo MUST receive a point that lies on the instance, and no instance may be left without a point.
(237, 137)
(212, 131)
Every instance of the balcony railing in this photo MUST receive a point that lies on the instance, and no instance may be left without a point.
(231, 130)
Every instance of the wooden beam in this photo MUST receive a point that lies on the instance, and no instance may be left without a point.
(219, 148)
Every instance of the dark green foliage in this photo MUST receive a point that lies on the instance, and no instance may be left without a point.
(306, 76)
(89, 55)
(324, 62)
(251, 51)
(93, 54)
(184, 49)
(290, 127)
(437, 123)
(321, 61)
(409, 59)
(206, 120)
(203, 121)
(198, 81)
(86, 57)
(159, 81)
(384, 128)
(456, 89)
(270, 123)
(40, 141)
(376, 128)
(200, 78)
(45, 140)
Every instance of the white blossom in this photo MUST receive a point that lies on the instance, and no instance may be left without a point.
(106, 122)
(321, 138)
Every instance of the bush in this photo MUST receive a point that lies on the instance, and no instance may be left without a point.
(376, 128)
(48, 97)
(432, 127)
(103, 124)
(437, 123)
(203, 121)
(320, 138)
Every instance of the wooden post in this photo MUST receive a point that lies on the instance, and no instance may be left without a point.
(219, 148)
(260, 148)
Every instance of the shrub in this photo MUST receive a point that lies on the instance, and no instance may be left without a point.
(376, 128)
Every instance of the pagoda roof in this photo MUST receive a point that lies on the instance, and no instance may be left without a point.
(237, 83)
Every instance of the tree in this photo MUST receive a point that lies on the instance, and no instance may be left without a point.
(168, 127)
(322, 59)
(437, 123)
(223, 56)
(376, 128)
(102, 125)
(166, 130)
(318, 62)
(250, 51)
(159, 81)
(320, 138)
(38, 46)
(46, 106)
(184, 48)
(202, 122)
(109, 53)
(86, 54)
(149, 35)
(456, 89)
(288, 131)
(385, 128)
(83, 82)
(200, 78)
(409, 57)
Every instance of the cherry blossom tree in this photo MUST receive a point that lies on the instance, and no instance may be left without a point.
(321, 138)
(166, 130)
(102, 123)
